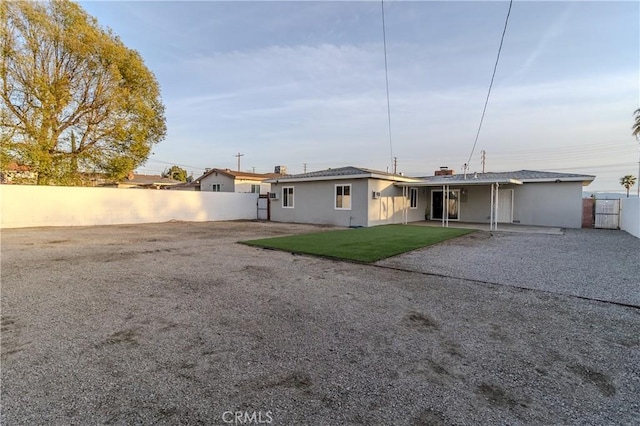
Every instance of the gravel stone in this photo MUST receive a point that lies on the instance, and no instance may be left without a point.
(175, 323)
(591, 263)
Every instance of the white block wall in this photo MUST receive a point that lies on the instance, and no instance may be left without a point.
(27, 206)
(630, 216)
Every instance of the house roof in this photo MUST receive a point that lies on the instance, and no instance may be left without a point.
(240, 175)
(193, 183)
(515, 177)
(348, 172)
(149, 180)
(15, 167)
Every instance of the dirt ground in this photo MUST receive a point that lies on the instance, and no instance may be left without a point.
(175, 323)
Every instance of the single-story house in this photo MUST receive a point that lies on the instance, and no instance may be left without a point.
(138, 181)
(345, 196)
(225, 180)
(353, 196)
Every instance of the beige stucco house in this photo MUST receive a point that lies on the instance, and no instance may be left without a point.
(353, 196)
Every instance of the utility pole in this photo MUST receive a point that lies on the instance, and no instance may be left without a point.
(484, 158)
(464, 170)
(395, 165)
(239, 155)
(253, 169)
(304, 167)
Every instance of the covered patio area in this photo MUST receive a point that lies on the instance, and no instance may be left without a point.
(446, 194)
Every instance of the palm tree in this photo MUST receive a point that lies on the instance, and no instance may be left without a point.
(628, 181)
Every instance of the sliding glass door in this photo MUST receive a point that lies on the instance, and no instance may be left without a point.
(437, 204)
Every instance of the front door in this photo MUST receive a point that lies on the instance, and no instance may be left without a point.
(437, 204)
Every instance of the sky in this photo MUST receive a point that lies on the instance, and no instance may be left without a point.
(303, 84)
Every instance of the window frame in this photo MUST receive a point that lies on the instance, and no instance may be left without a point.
(216, 185)
(254, 186)
(335, 196)
(285, 200)
(413, 191)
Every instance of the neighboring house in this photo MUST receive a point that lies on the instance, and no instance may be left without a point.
(345, 196)
(351, 196)
(147, 182)
(187, 186)
(225, 180)
(15, 173)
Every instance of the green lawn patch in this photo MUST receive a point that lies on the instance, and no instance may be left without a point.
(362, 244)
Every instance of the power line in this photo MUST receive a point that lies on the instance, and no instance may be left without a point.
(173, 163)
(386, 76)
(495, 67)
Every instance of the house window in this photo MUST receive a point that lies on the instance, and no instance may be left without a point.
(343, 197)
(287, 197)
(413, 198)
(216, 187)
(255, 189)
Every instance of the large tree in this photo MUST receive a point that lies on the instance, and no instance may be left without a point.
(73, 97)
(175, 173)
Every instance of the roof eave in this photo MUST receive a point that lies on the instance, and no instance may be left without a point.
(468, 182)
(342, 177)
(584, 179)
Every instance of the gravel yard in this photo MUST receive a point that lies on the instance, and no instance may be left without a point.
(591, 263)
(175, 323)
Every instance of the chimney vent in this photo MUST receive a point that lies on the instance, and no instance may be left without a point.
(444, 171)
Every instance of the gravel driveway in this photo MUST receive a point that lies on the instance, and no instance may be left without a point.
(174, 323)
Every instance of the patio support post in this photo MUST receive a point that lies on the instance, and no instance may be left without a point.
(491, 213)
(446, 215)
(495, 218)
(405, 191)
(443, 204)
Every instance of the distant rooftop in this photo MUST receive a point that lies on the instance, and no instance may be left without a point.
(240, 175)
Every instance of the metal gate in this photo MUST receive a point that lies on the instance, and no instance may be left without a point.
(607, 214)
(263, 207)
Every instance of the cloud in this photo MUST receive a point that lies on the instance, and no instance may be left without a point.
(553, 32)
(326, 105)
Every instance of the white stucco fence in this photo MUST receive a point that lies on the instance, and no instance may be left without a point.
(24, 206)
(630, 216)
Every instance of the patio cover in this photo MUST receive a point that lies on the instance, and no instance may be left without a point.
(446, 183)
